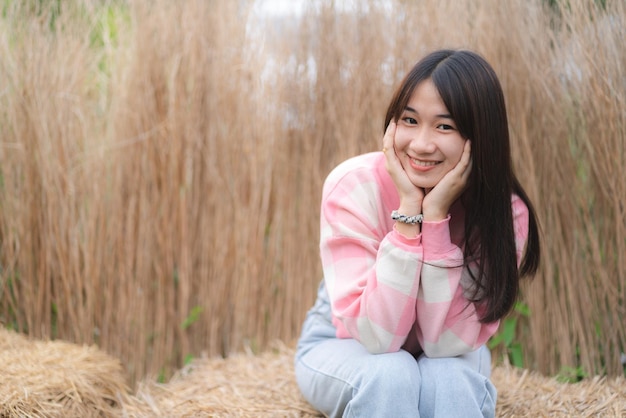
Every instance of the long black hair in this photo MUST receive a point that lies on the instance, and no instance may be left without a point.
(470, 89)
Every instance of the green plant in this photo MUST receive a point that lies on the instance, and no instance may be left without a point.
(569, 374)
(192, 317)
(507, 339)
(188, 359)
(161, 377)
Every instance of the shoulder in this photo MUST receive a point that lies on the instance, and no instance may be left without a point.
(359, 170)
(361, 165)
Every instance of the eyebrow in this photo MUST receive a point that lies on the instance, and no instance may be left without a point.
(443, 115)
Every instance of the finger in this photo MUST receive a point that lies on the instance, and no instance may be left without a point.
(388, 139)
(467, 152)
(467, 171)
(466, 157)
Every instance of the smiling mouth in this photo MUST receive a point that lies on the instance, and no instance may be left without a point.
(421, 163)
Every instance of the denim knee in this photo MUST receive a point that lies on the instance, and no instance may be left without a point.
(340, 378)
(389, 385)
(457, 386)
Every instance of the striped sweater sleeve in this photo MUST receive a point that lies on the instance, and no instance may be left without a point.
(448, 324)
(372, 275)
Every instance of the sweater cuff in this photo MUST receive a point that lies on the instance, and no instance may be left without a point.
(436, 239)
(403, 241)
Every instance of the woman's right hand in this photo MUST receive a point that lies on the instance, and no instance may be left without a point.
(411, 196)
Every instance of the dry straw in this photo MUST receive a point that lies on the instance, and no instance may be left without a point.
(161, 164)
(264, 386)
(57, 379)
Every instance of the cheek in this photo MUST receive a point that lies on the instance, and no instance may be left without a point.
(456, 152)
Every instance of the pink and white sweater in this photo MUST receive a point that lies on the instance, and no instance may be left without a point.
(389, 291)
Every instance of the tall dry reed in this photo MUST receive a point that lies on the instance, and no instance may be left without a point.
(161, 163)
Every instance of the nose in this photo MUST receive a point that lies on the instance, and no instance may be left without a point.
(422, 141)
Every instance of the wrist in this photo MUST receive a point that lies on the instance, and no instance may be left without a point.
(410, 208)
(407, 221)
(435, 215)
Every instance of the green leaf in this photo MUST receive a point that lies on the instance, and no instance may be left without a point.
(495, 341)
(192, 317)
(508, 331)
(522, 309)
(569, 374)
(516, 356)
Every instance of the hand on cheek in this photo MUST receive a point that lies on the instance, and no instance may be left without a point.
(410, 196)
(437, 202)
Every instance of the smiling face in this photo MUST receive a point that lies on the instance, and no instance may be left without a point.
(427, 140)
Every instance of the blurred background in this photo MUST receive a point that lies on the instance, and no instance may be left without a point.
(161, 164)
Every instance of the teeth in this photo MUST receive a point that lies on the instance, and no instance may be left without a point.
(424, 163)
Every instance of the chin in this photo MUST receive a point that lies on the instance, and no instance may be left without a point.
(424, 184)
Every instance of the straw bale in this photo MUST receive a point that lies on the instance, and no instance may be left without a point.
(522, 393)
(12, 340)
(58, 379)
(245, 385)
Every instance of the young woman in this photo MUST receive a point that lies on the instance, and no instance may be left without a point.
(422, 246)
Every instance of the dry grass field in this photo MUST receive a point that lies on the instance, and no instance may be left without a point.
(161, 165)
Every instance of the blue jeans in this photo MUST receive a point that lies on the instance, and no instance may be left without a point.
(340, 377)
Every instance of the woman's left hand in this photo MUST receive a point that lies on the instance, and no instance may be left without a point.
(437, 202)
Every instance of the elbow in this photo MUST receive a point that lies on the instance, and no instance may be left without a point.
(376, 340)
(375, 351)
(440, 352)
(376, 347)
(447, 347)
(380, 345)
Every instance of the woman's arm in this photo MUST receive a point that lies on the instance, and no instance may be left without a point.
(448, 323)
(372, 275)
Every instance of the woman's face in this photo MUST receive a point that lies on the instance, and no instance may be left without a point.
(427, 141)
